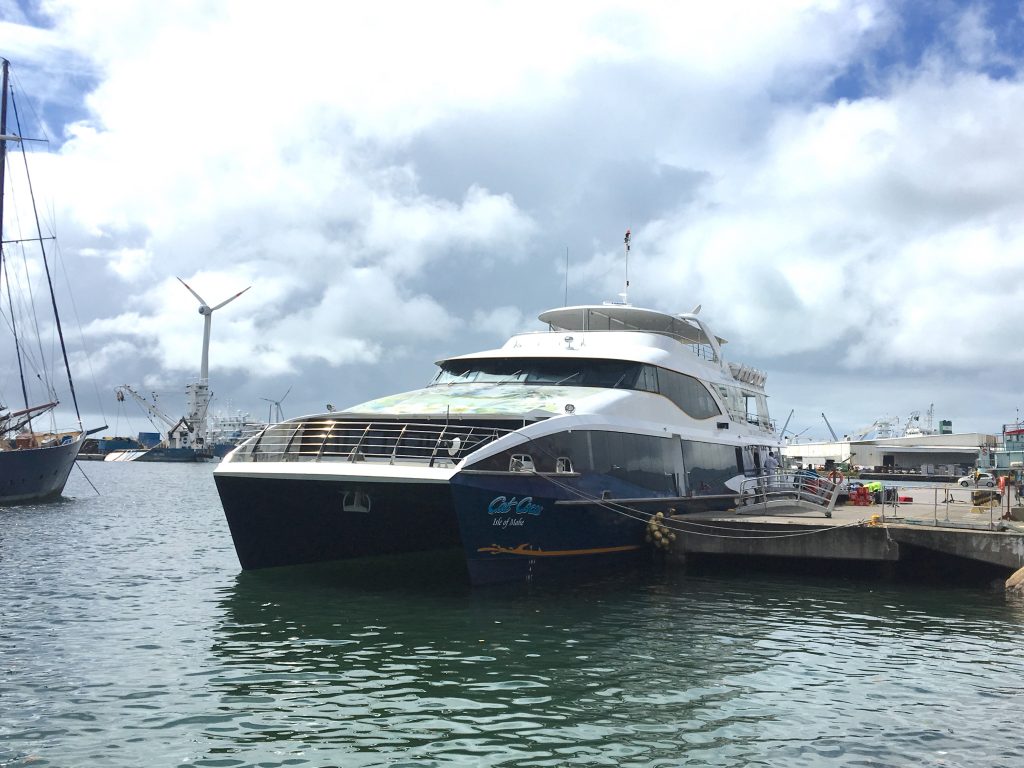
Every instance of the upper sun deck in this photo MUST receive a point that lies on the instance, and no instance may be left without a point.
(685, 328)
(623, 332)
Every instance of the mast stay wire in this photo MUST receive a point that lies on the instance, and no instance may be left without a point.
(46, 267)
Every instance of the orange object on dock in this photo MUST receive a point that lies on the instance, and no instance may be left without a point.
(860, 497)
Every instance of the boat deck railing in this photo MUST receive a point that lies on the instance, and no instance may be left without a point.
(742, 417)
(387, 442)
(789, 489)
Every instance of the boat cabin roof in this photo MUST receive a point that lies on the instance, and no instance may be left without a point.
(623, 317)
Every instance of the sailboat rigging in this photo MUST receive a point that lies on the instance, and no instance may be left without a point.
(34, 463)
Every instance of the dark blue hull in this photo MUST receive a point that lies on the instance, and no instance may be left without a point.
(508, 528)
(520, 527)
(290, 521)
(36, 474)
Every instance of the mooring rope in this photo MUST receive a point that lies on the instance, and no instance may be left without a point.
(87, 479)
(638, 515)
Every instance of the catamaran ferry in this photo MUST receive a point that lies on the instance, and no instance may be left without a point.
(548, 453)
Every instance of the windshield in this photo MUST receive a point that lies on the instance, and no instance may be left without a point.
(575, 373)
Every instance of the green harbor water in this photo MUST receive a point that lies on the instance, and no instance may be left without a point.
(130, 637)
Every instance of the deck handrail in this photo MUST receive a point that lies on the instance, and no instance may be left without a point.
(387, 442)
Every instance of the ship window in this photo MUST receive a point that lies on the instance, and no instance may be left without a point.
(540, 371)
(750, 406)
(563, 464)
(647, 381)
(709, 466)
(688, 393)
(521, 462)
(691, 395)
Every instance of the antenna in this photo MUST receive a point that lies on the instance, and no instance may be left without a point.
(566, 302)
(625, 293)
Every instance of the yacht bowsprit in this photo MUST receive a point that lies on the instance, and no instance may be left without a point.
(546, 454)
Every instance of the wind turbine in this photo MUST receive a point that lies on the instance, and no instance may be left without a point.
(198, 394)
(275, 407)
(207, 312)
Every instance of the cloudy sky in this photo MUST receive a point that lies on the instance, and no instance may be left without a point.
(839, 184)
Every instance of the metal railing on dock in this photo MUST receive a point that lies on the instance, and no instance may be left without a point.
(787, 490)
(984, 508)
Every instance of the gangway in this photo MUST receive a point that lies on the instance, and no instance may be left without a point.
(786, 490)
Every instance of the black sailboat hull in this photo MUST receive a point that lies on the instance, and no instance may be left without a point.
(36, 474)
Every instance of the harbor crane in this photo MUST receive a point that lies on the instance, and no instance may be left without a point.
(180, 433)
(831, 431)
(786, 425)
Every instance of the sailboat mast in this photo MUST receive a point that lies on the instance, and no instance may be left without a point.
(3, 261)
(46, 265)
(3, 149)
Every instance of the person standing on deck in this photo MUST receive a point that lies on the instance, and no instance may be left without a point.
(771, 468)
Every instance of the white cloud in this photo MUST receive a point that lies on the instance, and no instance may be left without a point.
(501, 322)
(233, 144)
(974, 39)
(129, 263)
(891, 221)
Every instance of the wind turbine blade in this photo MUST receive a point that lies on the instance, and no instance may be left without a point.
(201, 300)
(284, 395)
(228, 301)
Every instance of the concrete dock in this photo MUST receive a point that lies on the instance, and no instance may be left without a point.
(941, 521)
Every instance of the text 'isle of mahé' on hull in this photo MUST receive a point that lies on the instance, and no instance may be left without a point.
(546, 454)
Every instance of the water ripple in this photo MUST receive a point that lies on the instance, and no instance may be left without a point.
(128, 637)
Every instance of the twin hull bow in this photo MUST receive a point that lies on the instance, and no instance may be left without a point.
(561, 501)
(505, 531)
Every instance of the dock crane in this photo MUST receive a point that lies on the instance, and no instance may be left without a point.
(180, 433)
(782, 434)
(831, 431)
